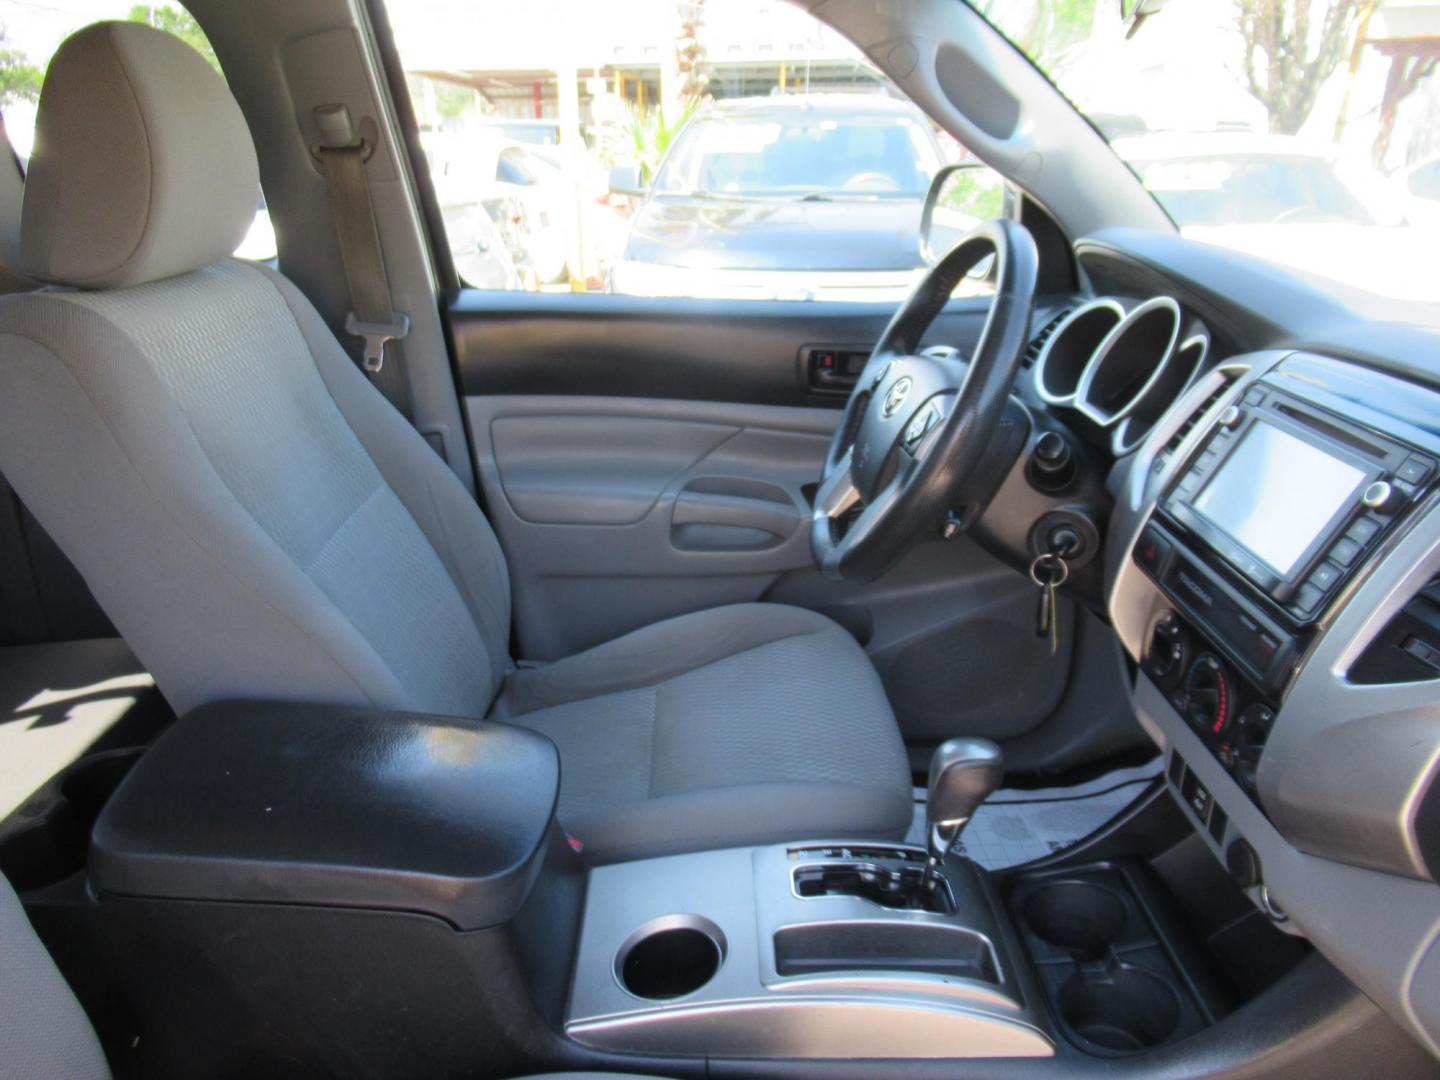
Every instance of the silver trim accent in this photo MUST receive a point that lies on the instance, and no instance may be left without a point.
(658, 926)
(1042, 362)
(1122, 439)
(1088, 409)
(749, 1010)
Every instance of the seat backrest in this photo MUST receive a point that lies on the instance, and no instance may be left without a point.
(251, 513)
(44, 1034)
(42, 597)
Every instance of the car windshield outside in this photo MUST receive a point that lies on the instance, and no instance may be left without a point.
(1285, 128)
(803, 152)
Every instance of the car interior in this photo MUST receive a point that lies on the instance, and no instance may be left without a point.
(1035, 677)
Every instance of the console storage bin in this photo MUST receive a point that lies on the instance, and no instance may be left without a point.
(298, 888)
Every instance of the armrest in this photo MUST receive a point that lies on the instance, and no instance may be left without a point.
(310, 804)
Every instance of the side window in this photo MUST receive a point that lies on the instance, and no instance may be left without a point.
(667, 148)
(31, 32)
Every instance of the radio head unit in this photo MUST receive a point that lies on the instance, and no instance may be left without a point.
(1290, 497)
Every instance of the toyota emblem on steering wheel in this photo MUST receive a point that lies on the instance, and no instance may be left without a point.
(895, 397)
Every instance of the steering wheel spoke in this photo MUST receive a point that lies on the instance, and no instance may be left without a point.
(837, 493)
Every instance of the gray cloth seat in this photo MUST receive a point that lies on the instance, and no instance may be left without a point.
(259, 522)
(44, 1034)
(741, 724)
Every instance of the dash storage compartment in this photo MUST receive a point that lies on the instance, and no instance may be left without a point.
(1117, 977)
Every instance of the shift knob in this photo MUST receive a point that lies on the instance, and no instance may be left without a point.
(963, 773)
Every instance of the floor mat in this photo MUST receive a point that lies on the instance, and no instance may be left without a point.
(1014, 827)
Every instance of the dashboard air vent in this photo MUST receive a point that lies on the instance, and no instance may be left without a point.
(1032, 351)
(1194, 418)
(1408, 649)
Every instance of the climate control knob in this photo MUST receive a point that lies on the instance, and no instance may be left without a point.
(1168, 652)
(1208, 696)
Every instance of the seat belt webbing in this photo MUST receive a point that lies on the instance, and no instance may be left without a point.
(372, 317)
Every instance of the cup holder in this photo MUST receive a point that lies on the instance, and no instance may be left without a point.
(1080, 916)
(1125, 1009)
(670, 957)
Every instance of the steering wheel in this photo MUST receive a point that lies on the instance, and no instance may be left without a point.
(916, 426)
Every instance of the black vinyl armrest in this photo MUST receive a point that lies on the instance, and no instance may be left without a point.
(337, 806)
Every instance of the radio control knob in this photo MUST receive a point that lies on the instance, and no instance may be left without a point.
(1230, 417)
(1383, 497)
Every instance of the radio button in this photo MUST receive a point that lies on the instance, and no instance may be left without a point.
(1254, 396)
(1325, 576)
(1363, 530)
(1308, 599)
(1345, 551)
(1415, 469)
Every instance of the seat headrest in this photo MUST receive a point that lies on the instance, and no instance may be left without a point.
(143, 165)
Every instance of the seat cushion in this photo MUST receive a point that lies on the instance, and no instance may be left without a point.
(43, 1032)
(64, 699)
(748, 724)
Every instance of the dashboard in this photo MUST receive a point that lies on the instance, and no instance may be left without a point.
(1272, 568)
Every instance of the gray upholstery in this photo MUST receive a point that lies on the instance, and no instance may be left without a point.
(259, 522)
(142, 166)
(743, 724)
(44, 1035)
(191, 451)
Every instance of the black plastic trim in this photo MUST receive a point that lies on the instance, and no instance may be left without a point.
(689, 350)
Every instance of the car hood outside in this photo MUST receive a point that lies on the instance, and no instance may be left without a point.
(783, 234)
(1393, 261)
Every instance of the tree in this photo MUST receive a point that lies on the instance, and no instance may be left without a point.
(1411, 63)
(19, 79)
(690, 58)
(1289, 55)
(177, 22)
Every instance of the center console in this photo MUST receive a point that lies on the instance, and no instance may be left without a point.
(1273, 569)
(1274, 514)
(748, 953)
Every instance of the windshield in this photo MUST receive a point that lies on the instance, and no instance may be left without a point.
(1285, 128)
(807, 154)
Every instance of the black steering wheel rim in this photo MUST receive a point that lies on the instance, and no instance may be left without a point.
(916, 426)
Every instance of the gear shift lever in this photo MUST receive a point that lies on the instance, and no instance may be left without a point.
(963, 773)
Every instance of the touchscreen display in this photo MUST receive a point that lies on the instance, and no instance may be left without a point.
(1275, 493)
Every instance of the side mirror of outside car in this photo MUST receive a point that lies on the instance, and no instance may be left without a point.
(627, 180)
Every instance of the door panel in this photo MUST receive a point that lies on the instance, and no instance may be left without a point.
(615, 512)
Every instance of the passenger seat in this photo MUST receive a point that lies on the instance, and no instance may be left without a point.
(68, 685)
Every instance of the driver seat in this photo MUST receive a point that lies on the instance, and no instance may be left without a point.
(260, 523)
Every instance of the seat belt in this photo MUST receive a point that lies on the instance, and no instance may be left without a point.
(372, 317)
